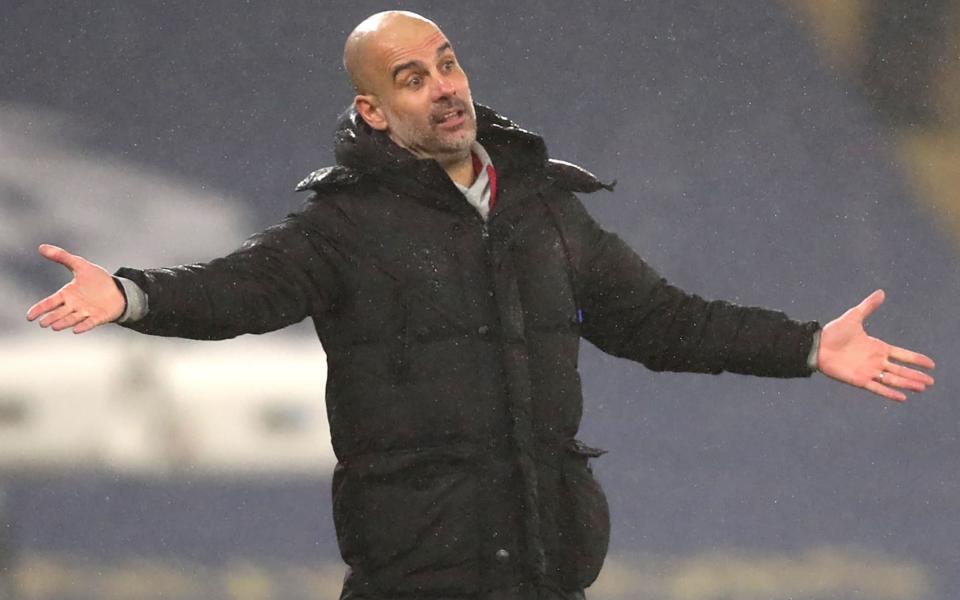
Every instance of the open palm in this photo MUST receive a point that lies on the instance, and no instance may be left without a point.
(89, 300)
(848, 354)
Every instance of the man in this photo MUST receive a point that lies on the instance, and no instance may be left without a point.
(450, 271)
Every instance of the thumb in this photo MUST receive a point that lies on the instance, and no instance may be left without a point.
(59, 255)
(870, 304)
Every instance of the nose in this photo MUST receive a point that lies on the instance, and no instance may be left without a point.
(444, 87)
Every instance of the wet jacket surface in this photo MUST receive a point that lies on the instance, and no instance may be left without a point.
(453, 393)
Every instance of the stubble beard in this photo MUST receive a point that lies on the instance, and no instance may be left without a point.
(426, 140)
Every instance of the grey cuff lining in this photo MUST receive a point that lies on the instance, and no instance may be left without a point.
(138, 304)
(814, 355)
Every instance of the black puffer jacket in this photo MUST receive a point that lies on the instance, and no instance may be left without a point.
(453, 393)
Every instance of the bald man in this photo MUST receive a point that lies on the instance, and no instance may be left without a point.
(450, 271)
(389, 58)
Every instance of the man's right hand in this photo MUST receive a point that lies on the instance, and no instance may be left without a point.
(91, 299)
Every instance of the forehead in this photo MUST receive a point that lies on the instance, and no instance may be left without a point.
(418, 41)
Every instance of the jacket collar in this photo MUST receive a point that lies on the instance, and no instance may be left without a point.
(517, 154)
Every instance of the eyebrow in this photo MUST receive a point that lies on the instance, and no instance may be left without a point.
(413, 63)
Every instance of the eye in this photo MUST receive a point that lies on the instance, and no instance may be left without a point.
(415, 81)
(448, 65)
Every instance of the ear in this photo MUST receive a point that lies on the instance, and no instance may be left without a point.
(368, 107)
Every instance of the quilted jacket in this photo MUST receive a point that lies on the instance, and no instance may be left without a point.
(453, 393)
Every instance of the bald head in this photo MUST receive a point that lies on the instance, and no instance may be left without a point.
(410, 85)
(369, 44)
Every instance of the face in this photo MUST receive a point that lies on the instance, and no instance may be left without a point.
(421, 96)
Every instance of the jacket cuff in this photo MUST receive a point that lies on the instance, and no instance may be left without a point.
(814, 356)
(138, 303)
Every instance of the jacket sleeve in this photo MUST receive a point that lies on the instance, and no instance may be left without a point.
(276, 278)
(630, 311)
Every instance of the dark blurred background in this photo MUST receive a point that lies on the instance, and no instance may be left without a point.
(795, 154)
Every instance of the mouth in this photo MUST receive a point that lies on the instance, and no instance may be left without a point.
(450, 119)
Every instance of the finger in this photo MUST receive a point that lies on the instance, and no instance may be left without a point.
(59, 255)
(69, 321)
(911, 357)
(882, 390)
(904, 383)
(55, 315)
(870, 304)
(44, 306)
(909, 373)
(85, 325)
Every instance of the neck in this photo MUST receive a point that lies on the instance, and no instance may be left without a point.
(461, 171)
(459, 167)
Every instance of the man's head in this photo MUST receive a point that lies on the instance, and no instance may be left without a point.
(410, 85)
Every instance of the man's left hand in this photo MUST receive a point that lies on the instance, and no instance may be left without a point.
(849, 355)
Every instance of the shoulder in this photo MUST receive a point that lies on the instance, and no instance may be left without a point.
(563, 182)
(330, 179)
(333, 190)
(573, 178)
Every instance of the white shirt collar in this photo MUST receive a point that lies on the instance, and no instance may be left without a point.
(478, 194)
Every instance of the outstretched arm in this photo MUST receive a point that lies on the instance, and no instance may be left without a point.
(276, 278)
(849, 355)
(630, 311)
(90, 299)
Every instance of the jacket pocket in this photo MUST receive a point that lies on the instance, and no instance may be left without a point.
(583, 518)
(402, 514)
